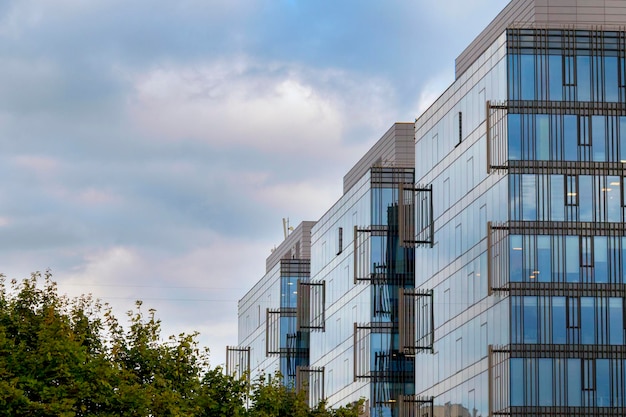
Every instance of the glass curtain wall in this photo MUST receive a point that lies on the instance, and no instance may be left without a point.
(566, 129)
(392, 266)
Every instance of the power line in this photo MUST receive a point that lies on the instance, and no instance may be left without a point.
(168, 299)
(149, 286)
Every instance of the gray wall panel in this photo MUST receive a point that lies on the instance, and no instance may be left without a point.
(391, 150)
(301, 238)
(582, 13)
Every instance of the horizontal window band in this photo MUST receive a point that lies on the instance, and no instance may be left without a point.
(582, 108)
(562, 289)
(564, 167)
(562, 351)
(526, 411)
(558, 228)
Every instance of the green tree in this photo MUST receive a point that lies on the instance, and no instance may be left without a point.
(71, 357)
(271, 398)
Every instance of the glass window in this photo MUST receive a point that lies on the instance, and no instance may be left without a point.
(529, 197)
(560, 382)
(545, 382)
(586, 251)
(598, 138)
(528, 136)
(530, 260)
(556, 77)
(542, 137)
(570, 137)
(583, 131)
(556, 137)
(600, 252)
(611, 84)
(571, 190)
(517, 382)
(587, 320)
(623, 243)
(530, 320)
(586, 198)
(616, 321)
(516, 320)
(622, 139)
(572, 261)
(569, 71)
(603, 379)
(559, 324)
(514, 135)
(557, 198)
(513, 83)
(583, 77)
(516, 258)
(611, 194)
(527, 77)
(558, 266)
(574, 379)
(289, 291)
(588, 380)
(530, 379)
(543, 273)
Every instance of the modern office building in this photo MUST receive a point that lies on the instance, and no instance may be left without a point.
(476, 262)
(269, 337)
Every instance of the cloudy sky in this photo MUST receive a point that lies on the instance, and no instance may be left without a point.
(149, 149)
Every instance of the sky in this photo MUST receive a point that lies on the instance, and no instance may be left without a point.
(150, 148)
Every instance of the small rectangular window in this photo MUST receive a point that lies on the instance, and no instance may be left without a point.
(460, 127)
(339, 240)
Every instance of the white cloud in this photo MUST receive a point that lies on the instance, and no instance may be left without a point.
(309, 199)
(270, 107)
(40, 165)
(94, 196)
(432, 90)
(195, 291)
(228, 109)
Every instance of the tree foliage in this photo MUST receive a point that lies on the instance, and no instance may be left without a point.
(71, 357)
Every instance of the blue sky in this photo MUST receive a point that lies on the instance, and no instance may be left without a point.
(151, 148)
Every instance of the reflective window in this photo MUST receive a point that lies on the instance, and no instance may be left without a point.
(583, 77)
(555, 77)
(611, 83)
(559, 324)
(527, 77)
(570, 138)
(598, 138)
(616, 321)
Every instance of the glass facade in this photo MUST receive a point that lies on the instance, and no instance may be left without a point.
(490, 278)
(455, 374)
(528, 265)
(270, 336)
(360, 348)
(253, 307)
(566, 129)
